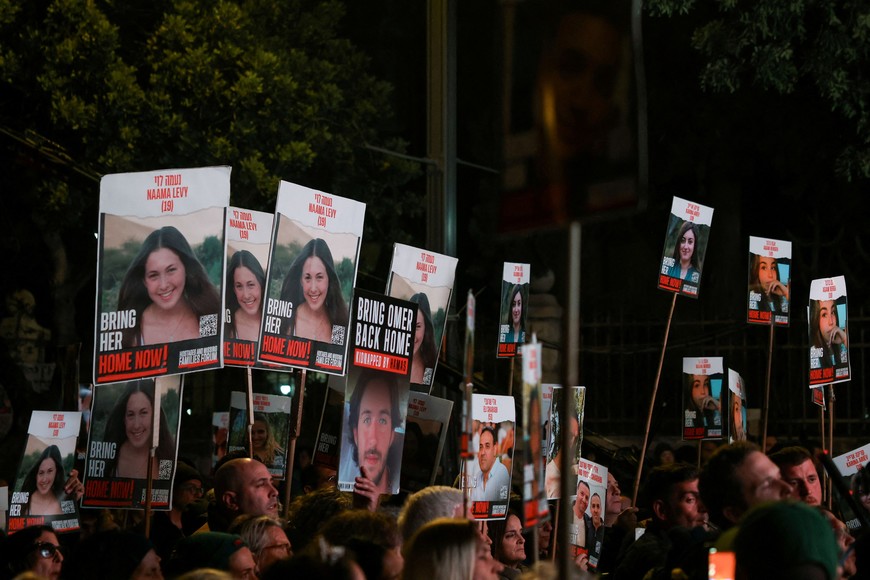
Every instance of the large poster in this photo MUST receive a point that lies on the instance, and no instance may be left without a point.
(737, 404)
(514, 308)
(312, 272)
(685, 246)
(425, 278)
(574, 424)
(270, 430)
(586, 532)
(160, 271)
(702, 397)
(39, 497)
(494, 418)
(829, 336)
(328, 448)
(769, 281)
(124, 427)
(249, 237)
(426, 430)
(378, 386)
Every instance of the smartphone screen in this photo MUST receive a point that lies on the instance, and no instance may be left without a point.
(720, 565)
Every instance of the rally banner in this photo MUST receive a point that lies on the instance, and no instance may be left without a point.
(586, 532)
(769, 281)
(514, 308)
(737, 424)
(829, 335)
(220, 428)
(574, 423)
(328, 448)
(425, 278)
(377, 391)
(535, 508)
(685, 246)
(426, 431)
(271, 428)
(124, 427)
(702, 397)
(494, 417)
(316, 240)
(160, 272)
(249, 239)
(38, 497)
(851, 462)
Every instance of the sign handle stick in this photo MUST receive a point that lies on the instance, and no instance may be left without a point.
(291, 448)
(831, 403)
(767, 388)
(250, 404)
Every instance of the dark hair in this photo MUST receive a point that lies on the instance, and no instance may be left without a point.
(199, 293)
(515, 289)
(662, 479)
(362, 381)
(376, 527)
(791, 456)
(29, 484)
(428, 352)
(310, 511)
(116, 431)
(683, 229)
(815, 331)
(291, 290)
(496, 530)
(755, 284)
(242, 259)
(718, 485)
(491, 431)
(16, 550)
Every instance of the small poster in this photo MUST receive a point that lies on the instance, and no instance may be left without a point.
(535, 508)
(574, 424)
(494, 417)
(220, 428)
(851, 462)
(426, 430)
(249, 239)
(818, 396)
(160, 273)
(328, 448)
(685, 246)
(312, 272)
(737, 404)
(586, 532)
(269, 433)
(702, 397)
(514, 308)
(378, 386)
(829, 336)
(39, 497)
(124, 428)
(769, 281)
(425, 278)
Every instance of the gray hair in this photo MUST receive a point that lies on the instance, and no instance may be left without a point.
(252, 529)
(437, 501)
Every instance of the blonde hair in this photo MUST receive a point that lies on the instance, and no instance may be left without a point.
(446, 548)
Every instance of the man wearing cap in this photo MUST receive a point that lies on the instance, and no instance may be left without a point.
(166, 527)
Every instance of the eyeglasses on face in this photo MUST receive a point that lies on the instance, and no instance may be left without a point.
(46, 549)
(192, 489)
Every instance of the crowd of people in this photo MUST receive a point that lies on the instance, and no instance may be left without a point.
(767, 509)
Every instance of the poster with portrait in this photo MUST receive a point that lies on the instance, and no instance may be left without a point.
(489, 479)
(316, 240)
(38, 497)
(514, 308)
(426, 430)
(160, 271)
(220, 429)
(829, 335)
(702, 397)
(574, 423)
(249, 239)
(737, 423)
(535, 508)
(685, 245)
(377, 391)
(124, 427)
(769, 281)
(328, 448)
(586, 531)
(270, 430)
(425, 278)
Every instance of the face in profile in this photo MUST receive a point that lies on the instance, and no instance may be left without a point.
(374, 431)
(419, 331)
(700, 390)
(486, 453)
(259, 434)
(737, 409)
(138, 421)
(687, 246)
(45, 476)
(517, 309)
(827, 319)
(315, 282)
(164, 278)
(248, 290)
(767, 273)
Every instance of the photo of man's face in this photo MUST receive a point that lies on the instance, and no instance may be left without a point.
(486, 453)
(582, 501)
(700, 390)
(374, 434)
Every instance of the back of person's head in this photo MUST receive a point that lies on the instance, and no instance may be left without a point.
(444, 548)
(436, 501)
(317, 560)
(203, 550)
(109, 554)
(718, 483)
(662, 479)
(253, 530)
(376, 527)
(310, 511)
(790, 456)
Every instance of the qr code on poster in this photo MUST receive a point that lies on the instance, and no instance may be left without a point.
(164, 470)
(208, 325)
(338, 335)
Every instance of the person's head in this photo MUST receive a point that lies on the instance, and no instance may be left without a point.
(700, 385)
(737, 477)
(517, 306)
(262, 438)
(47, 474)
(823, 321)
(265, 537)
(33, 549)
(187, 486)
(672, 493)
(797, 467)
(861, 487)
(508, 543)
(488, 451)
(310, 511)
(312, 280)
(317, 477)
(430, 503)
(227, 552)
(350, 527)
(424, 331)
(737, 416)
(595, 509)
(244, 486)
(582, 500)
(374, 415)
(573, 426)
(613, 503)
(113, 554)
(246, 280)
(448, 548)
(687, 239)
(846, 565)
(763, 272)
(132, 420)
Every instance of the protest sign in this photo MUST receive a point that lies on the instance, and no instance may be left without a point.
(220, 428)
(426, 430)
(328, 447)
(586, 532)
(737, 423)
(494, 418)
(514, 308)
(535, 507)
(829, 335)
(685, 246)
(769, 281)
(850, 462)
(270, 429)
(574, 423)
(702, 397)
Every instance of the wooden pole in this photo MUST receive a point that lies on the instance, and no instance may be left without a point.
(250, 404)
(831, 402)
(291, 447)
(767, 387)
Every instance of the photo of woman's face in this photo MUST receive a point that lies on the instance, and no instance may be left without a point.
(419, 331)
(259, 434)
(315, 282)
(766, 272)
(827, 318)
(700, 389)
(517, 308)
(687, 246)
(137, 420)
(45, 476)
(164, 278)
(248, 290)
